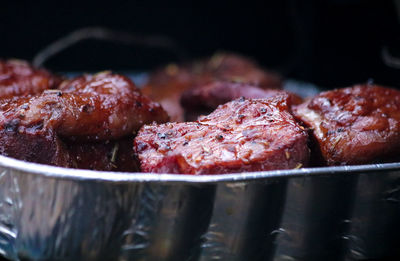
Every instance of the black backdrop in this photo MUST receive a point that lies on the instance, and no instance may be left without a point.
(329, 42)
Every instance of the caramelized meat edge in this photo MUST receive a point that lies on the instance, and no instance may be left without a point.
(355, 125)
(85, 117)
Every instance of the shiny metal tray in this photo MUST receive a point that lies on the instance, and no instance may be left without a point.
(332, 213)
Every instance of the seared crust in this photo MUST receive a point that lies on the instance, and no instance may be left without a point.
(166, 85)
(19, 78)
(354, 125)
(242, 135)
(99, 107)
(79, 124)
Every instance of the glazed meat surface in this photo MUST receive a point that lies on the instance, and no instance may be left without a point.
(78, 125)
(166, 85)
(99, 107)
(18, 78)
(242, 135)
(205, 99)
(354, 125)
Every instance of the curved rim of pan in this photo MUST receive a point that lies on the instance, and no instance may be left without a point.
(10, 164)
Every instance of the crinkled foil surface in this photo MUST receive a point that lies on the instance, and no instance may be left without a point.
(50, 213)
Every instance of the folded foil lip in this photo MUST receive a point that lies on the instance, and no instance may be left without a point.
(129, 177)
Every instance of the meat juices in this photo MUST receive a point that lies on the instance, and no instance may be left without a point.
(354, 125)
(205, 99)
(166, 85)
(18, 78)
(242, 135)
(90, 108)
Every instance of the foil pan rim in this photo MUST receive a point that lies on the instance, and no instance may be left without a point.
(129, 177)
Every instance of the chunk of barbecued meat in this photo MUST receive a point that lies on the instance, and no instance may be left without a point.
(166, 85)
(354, 125)
(242, 135)
(18, 78)
(89, 108)
(203, 100)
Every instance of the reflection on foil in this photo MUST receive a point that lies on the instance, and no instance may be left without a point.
(10, 205)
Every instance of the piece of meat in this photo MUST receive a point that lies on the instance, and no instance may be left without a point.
(167, 85)
(91, 107)
(110, 155)
(19, 78)
(203, 100)
(242, 135)
(78, 125)
(354, 125)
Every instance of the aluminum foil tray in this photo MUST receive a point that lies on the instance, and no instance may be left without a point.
(332, 213)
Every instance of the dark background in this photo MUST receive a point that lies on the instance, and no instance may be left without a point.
(332, 43)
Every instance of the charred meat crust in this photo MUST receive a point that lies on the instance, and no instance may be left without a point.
(355, 125)
(79, 123)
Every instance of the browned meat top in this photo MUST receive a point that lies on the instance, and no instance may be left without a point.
(91, 107)
(166, 85)
(242, 135)
(354, 125)
(19, 78)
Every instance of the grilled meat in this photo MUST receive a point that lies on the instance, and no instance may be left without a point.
(242, 135)
(19, 78)
(89, 108)
(205, 99)
(167, 84)
(99, 107)
(354, 125)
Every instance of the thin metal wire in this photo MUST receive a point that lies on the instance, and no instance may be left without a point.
(99, 33)
(389, 59)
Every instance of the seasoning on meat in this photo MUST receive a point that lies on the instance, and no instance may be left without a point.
(89, 108)
(242, 135)
(354, 125)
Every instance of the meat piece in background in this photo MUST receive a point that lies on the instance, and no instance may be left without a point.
(242, 135)
(167, 85)
(19, 78)
(203, 100)
(355, 125)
